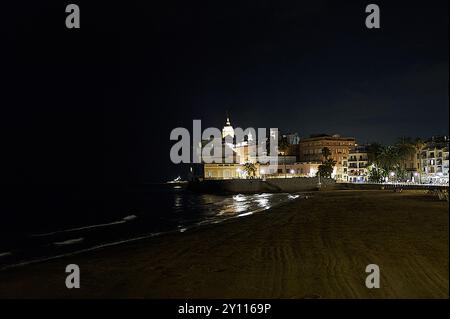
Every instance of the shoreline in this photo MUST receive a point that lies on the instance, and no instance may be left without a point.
(301, 249)
(144, 236)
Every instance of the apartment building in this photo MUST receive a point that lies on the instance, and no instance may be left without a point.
(358, 161)
(302, 169)
(435, 161)
(412, 166)
(311, 151)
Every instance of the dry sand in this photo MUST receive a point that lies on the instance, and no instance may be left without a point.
(314, 248)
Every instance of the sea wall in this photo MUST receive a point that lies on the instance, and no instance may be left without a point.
(272, 185)
(290, 185)
(370, 186)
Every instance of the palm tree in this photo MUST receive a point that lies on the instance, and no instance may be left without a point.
(376, 174)
(326, 153)
(406, 152)
(326, 168)
(419, 144)
(388, 159)
(249, 168)
(406, 147)
(373, 152)
(409, 150)
(283, 146)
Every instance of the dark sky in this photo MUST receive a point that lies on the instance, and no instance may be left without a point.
(96, 105)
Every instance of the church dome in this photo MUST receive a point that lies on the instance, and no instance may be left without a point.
(228, 129)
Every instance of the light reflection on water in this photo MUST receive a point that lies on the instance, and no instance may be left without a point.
(263, 200)
(178, 200)
(192, 209)
(239, 198)
(207, 208)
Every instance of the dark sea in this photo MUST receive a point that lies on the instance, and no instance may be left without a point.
(39, 223)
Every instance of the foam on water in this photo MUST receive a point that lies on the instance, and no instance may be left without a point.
(128, 218)
(124, 220)
(69, 242)
(38, 260)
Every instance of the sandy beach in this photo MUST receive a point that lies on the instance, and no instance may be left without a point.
(309, 248)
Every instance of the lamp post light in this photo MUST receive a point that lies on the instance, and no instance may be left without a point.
(392, 174)
(416, 175)
(319, 184)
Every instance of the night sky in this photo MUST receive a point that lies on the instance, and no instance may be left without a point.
(96, 105)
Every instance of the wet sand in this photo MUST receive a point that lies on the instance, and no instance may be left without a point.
(313, 248)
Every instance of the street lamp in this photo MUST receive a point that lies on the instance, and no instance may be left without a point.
(392, 174)
(262, 172)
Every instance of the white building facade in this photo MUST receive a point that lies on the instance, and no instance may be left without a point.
(357, 165)
(435, 161)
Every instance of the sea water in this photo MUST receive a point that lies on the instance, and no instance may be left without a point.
(46, 223)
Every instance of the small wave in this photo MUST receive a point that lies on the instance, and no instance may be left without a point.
(77, 229)
(34, 261)
(124, 220)
(264, 195)
(128, 218)
(69, 242)
(8, 253)
(240, 198)
(245, 214)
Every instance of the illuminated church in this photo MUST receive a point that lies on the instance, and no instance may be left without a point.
(228, 130)
(240, 155)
